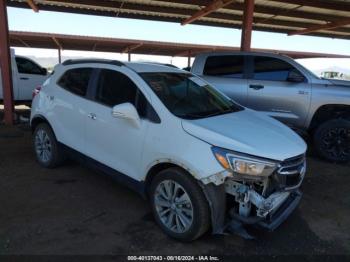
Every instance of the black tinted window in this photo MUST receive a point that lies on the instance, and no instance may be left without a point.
(115, 88)
(228, 66)
(187, 96)
(76, 80)
(269, 68)
(26, 66)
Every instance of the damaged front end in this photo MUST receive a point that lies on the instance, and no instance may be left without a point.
(253, 191)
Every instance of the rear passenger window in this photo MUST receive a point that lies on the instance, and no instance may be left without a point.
(76, 80)
(231, 66)
(269, 68)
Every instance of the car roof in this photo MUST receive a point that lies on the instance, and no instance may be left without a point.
(152, 67)
(136, 66)
(224, 53)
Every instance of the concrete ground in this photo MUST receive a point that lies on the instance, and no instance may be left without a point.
(74, 210)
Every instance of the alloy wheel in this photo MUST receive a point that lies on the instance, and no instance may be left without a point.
(43, 146)
(336, 143)
(173, 206)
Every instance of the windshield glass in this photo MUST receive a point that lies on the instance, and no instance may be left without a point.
(189, 97)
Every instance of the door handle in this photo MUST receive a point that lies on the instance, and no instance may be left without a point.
(256, 87)
(24, 78)
(92, 116)
(301, 92)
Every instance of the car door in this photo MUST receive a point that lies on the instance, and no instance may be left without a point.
(116, 142)
(226, 73)
(70, 107)
(278, 89)
(30, 76)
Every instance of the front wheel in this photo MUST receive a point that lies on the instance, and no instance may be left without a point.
(332, 140)
(179, 205)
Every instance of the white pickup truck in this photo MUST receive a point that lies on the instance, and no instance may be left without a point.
(26, 76)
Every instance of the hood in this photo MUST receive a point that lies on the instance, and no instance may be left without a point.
(248, 132)
(339, 82)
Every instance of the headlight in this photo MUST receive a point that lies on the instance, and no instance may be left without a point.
(244, 165)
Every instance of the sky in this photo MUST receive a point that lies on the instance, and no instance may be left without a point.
(75, 24)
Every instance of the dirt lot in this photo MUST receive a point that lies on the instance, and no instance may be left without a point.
(74, 210)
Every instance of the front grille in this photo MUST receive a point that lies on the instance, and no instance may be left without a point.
(291, 172)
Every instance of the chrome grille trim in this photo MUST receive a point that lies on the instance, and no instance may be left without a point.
(292, 169)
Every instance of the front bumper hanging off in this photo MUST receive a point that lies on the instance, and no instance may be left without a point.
(222, 220)
(274, 219)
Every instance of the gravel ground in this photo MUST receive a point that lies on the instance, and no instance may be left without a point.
(74, 210)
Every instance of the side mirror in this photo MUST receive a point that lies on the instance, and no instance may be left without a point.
(126, 111)
(295, 76)
(44, 71)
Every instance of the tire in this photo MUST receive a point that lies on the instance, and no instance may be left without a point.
(332, 140)
(187, 189)
(47, 150)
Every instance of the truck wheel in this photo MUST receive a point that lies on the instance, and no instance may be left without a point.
(332, 140)
(179, 205)
(47, 151)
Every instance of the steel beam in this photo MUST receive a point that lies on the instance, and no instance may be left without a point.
(215, 5)
(247, 25)
(326, 26)
(5, 63)
(130, 48)
(33, 5)
(325, 4)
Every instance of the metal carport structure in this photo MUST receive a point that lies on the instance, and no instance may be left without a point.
(132, 46)
(326, 18)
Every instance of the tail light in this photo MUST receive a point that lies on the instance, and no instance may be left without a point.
(36, 91)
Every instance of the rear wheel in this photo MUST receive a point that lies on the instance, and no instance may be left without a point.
(332, 140)
(179, 205)
(46, 148)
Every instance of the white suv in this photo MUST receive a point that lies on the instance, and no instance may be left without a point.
(199, 158)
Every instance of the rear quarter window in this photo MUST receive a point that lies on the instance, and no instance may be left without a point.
(230, 66)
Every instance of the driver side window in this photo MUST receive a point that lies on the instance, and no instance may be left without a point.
(272, 69)
(115, 88)
(25, 66)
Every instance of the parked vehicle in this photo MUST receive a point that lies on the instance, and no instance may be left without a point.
(26, 76)
(278, 86)
(196, 155)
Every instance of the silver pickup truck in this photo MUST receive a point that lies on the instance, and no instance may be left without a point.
(282, 88)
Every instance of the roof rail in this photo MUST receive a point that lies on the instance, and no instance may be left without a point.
(86, 61)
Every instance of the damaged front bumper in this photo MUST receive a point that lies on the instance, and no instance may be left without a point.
(270, 212)
(265, 203)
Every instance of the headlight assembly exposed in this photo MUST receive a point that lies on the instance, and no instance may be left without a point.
(244, 165)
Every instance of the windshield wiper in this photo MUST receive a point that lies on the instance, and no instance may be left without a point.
(231, 110)
(197, 116)
(192, 116)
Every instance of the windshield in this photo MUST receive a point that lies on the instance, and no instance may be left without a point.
(189, 97)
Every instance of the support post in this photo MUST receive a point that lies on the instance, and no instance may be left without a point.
(189, 59)
(5, 63)
(129, 57)
(59, 56)
(247, 25)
